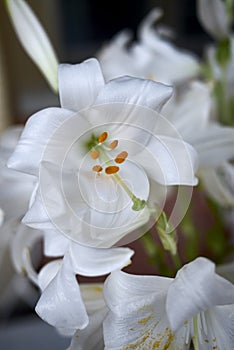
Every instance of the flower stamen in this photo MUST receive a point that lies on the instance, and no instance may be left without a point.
(113, 144)
(112, 169)
(121, 157)
(94, 154)
(98, 151)
(97, 168)
(102, 138)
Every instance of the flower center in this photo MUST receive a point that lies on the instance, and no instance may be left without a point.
(111, 166)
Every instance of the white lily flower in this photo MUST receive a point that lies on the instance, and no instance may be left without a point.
(94, 155)
(214, 17)
(152, 312)
(190, 113)
(150, 57)
(34, 40)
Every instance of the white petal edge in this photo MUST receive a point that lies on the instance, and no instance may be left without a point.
(89, 261)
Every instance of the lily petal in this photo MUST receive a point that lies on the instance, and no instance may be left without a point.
(92, 336)
(79, 84)
(213, 17)
(189, 112)
(218, 183)
(55, 243)
(34, 40)
(215, 328)
(61, 304)
(196, 288)
(168, 64)
(37, 132)
(137, 317)
(169, 161)
(25, 238)
(48, 272)
(135, 91)
(216, 140)
(83, 215)
(92, 294)
(88, 261)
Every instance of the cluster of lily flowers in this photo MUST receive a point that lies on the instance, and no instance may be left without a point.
(139, 123)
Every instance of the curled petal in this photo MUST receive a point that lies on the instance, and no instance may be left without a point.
(96, 261)
(79, 84)
(136, 92)
(61, 304)
(196, 288)
(167, 63)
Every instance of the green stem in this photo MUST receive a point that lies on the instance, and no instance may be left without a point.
(176, 261)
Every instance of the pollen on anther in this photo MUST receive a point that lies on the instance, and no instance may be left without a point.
(113, 144)
(121, 157)
(103, 137)
(112, 169)
(97, 168)
(94, 154)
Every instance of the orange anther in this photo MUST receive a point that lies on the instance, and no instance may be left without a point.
(94, 154)
(102, 137)
(97, 168)
(113, 144)
(112, 169)
(121, 157)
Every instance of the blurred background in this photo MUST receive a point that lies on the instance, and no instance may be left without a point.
(78, 29)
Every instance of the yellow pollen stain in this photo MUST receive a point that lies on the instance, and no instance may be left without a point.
(113, 144)
(97, 168)
(144, 320)
(138, 343)
(121, 157)
(97, 289)
(94, 154)
(206, 340)
(112, 169)
(24, 271)
(102, 138)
